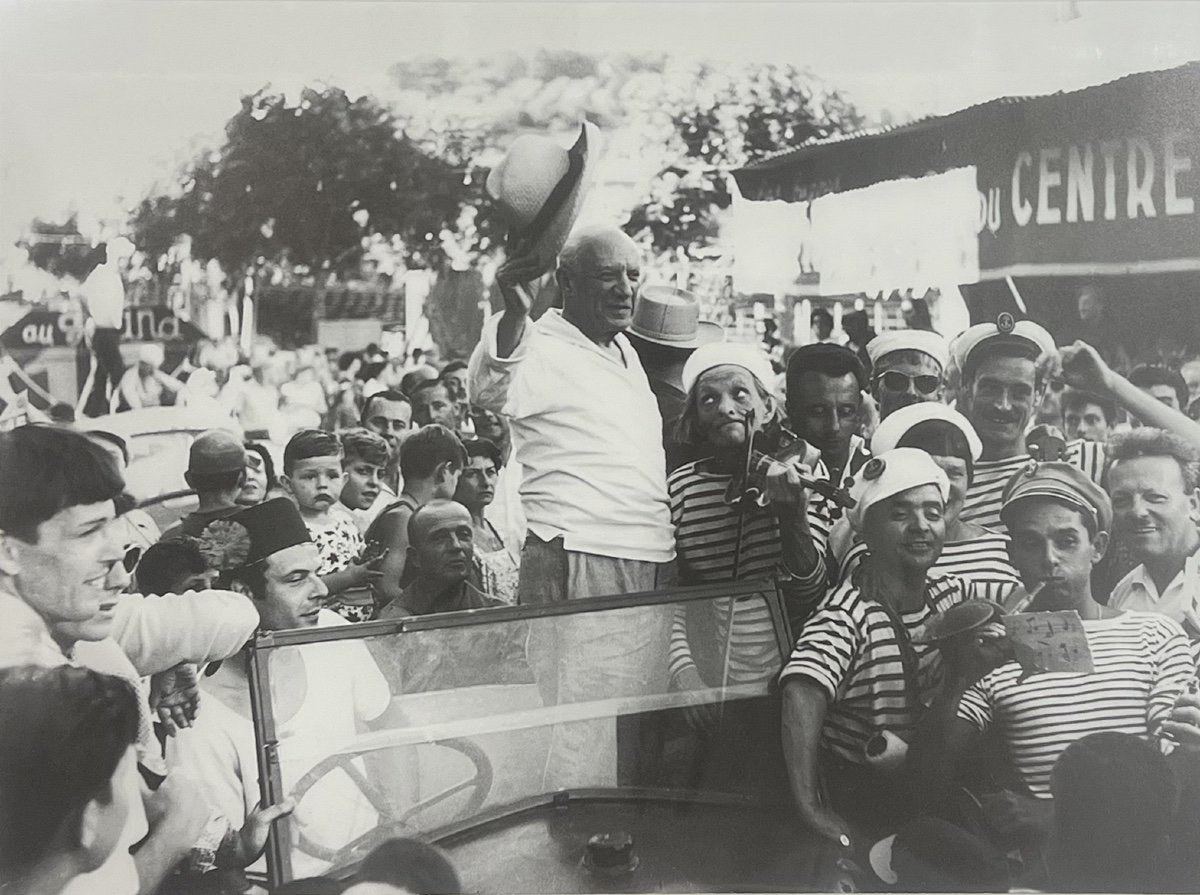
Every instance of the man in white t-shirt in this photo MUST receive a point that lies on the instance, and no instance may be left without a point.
(322, 694)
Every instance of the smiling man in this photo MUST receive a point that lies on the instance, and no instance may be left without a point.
(322, 693)
(1005, 369)
(1156, 507)
(855, 671)
(586, 426)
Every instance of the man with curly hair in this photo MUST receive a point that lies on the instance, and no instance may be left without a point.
(1156, 506)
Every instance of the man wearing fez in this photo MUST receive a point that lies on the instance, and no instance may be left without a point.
(907, 367)
(322, 694)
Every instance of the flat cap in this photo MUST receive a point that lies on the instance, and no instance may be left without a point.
(1062, 482)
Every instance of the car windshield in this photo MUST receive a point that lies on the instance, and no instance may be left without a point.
(430, 724)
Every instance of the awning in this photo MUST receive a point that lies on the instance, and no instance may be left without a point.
(1098, 181)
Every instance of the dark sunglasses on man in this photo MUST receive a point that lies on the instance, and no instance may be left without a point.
(895, 381)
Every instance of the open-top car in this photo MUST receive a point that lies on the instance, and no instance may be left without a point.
(543, 747)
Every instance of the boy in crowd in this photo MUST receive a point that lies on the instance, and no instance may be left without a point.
(431, 461)
(1087, 416)
(313, 476)
(364, 461)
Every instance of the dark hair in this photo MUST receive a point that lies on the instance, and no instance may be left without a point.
(385, 395)
(1115, 798)
(1147, 375)
(1014, 348)
(829, 360)
(1077, 399)
(346, 359)
(427, 448)
(822, 320)
(61, 413)
(213, 482)
(426, 385)
(939, 438)
(163, 563)
(309, 443)
(63, 731)
(411, 865)
(268, 462)
(409, 380)
(363, 444)
(44, 470)
(453, 367)
(483, 447)
(94, 258)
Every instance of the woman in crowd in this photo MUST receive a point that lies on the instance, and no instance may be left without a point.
(496, 566)
(261, 482)
(728, 402)
(975, 554)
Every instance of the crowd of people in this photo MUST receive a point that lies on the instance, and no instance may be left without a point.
(607, 447)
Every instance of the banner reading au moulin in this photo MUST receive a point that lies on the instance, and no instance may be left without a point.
(1107, 183)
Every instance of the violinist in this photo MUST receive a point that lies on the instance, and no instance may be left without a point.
(729, 410)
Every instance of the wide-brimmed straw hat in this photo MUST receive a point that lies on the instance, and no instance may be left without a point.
(540, 188)
(670, 317)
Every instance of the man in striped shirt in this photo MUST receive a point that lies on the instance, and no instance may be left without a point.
(1058, 520)
(855, 672)
(1005, 369)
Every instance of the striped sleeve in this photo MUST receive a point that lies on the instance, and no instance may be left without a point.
(679, 651)
(1174, 668)
(825, 650)
(975, 707)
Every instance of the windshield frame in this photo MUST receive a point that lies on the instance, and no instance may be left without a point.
(271, 789)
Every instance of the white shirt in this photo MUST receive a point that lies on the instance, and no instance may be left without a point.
(343, 687)
(104, 295)
(588, 434)
(1181, 598)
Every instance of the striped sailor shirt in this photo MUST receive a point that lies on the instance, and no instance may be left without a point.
(982, 505)
(849, 648)
(1142, 663)
(706, 531)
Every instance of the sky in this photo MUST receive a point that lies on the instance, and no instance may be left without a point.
(99, 98)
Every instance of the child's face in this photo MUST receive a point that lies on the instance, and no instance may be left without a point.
(316, 483)
(362, 483)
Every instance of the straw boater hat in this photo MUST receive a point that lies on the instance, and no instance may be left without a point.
(670, 317)
(540, 187)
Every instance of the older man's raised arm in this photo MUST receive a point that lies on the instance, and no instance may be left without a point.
(505, 336)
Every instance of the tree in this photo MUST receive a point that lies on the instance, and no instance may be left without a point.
(308, 184)
(723, 118)
(58, 249)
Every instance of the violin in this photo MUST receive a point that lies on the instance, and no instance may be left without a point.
(747, 489)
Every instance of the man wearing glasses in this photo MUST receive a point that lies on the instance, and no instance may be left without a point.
(907, 367)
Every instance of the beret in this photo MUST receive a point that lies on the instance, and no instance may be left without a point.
(891, 473)
(898, 423)
(720, 354)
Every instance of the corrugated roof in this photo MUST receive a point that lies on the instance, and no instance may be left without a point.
(812, 147)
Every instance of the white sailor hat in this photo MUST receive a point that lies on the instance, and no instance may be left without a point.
(909, 340)
(898, 423)
(720, 354)
(891, 473)
(1030, 338)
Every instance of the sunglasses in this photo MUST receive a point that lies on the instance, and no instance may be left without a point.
(895, 381)
(130, 560)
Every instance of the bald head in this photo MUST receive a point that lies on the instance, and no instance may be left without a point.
(599, 272)
(441, 542)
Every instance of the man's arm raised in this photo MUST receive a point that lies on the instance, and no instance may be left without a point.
(1083, 368)
(492, 365)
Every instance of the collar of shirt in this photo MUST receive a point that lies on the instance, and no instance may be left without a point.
(24, 637)
(1188, 577)
(555, 326)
